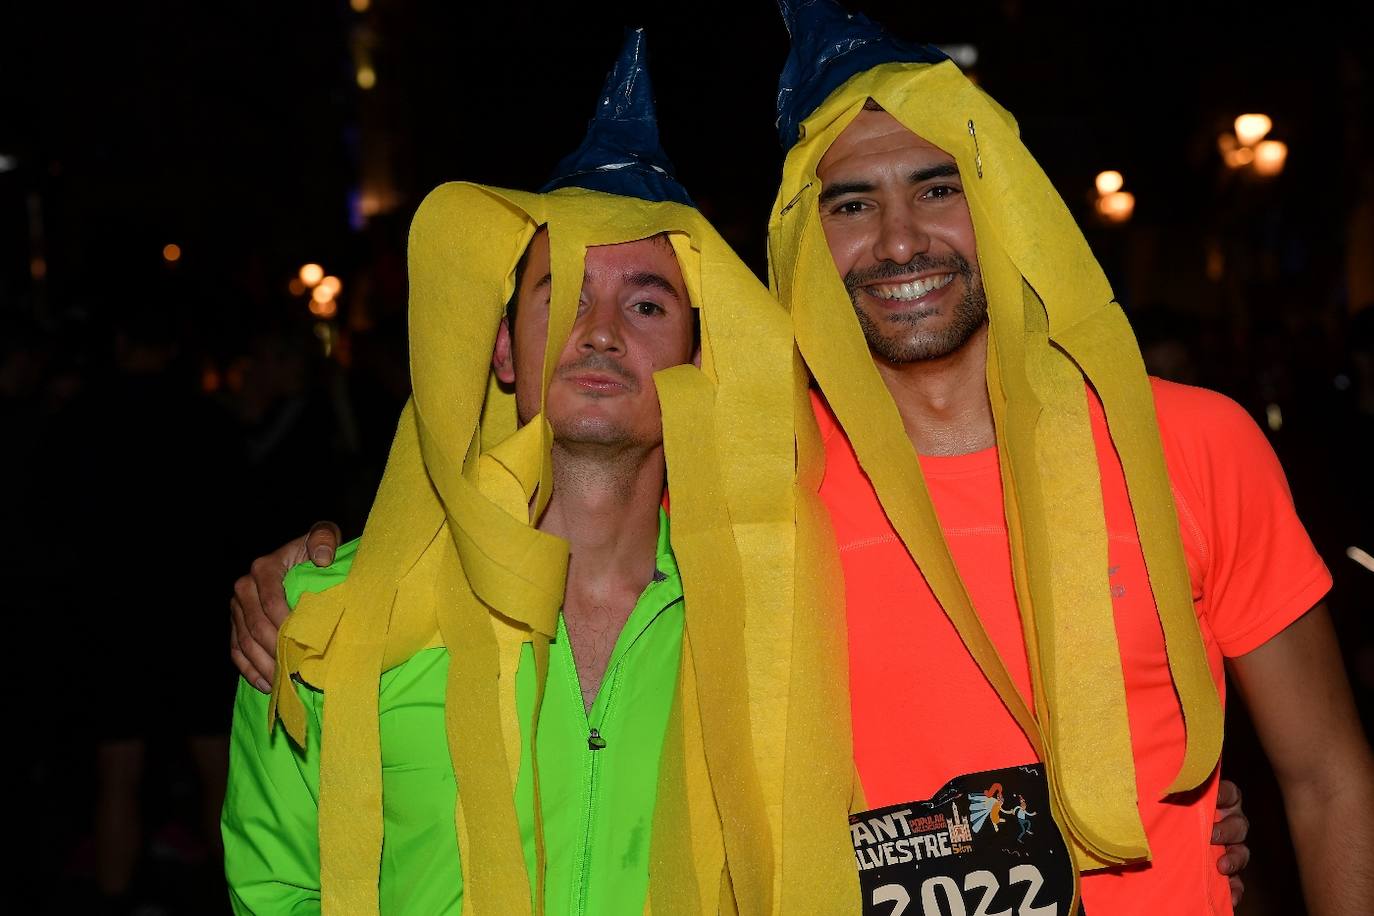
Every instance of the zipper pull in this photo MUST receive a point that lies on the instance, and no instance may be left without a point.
(594, 741)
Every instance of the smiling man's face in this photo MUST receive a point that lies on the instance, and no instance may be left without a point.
(898, 226)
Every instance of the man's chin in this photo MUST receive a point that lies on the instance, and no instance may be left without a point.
(926, 345)
(594, 432)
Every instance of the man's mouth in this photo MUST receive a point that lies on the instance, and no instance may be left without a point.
(911, 289)
(598, 382)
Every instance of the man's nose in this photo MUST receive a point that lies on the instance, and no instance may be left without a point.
(599, 328)
(900, 236)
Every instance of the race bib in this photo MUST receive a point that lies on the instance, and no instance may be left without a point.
(984, 845)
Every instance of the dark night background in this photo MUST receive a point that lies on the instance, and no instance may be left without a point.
(164, 421)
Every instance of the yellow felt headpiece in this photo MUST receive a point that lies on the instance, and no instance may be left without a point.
(1054, 329)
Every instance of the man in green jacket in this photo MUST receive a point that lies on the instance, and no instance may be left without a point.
(607, 682)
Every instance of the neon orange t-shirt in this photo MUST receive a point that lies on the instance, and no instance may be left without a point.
(924, 713)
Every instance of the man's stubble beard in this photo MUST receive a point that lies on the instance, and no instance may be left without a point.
(969, 314)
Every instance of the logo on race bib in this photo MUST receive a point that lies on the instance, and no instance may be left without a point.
(984, 845)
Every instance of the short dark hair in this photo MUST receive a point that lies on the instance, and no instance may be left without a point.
(520, 266)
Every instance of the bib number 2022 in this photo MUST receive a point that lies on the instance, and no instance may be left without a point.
(941, 895)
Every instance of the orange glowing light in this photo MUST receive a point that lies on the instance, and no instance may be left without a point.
(311, 274)
(171, 253)
(38, 268)
(322, 293)
(330, 283)
(327, 308)
(1116, 207)
(296, 287)
(367, 77)
(1109, 182)
(1216, 263)
(1270, 156)
(360, 6)
(1252, 128)
(1239, 158)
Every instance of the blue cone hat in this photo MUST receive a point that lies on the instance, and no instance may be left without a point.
(621, 152)
(829, 45)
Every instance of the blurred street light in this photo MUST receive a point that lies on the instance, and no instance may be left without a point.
(322, 294)
(1240, 158)
(324, 309)
(360, 6)
(1116, 207)
(331, 284)
(1109, 182)
(311, 274)
(1270, 157)
(171, 253)
(1249, 148)
(367, 77)
(1252, 128)
(1360, 556)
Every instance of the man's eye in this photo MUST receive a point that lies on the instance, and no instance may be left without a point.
(849, 207)
(648, 308)
(941, 191)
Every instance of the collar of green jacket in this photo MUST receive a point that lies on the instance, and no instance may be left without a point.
(1054, 328)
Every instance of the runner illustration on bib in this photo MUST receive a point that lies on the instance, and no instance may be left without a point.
(957, 854)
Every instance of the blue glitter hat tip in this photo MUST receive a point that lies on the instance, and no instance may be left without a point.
(621, 153)
(829, 45)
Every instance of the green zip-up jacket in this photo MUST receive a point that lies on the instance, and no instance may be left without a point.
(598, 773)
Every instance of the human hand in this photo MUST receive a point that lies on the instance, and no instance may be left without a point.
(259, 607)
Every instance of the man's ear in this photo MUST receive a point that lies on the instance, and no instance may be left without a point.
(502, 359)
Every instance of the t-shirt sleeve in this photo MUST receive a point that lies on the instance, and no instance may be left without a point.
(1261, 571)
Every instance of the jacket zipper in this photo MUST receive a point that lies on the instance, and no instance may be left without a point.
(595, 743)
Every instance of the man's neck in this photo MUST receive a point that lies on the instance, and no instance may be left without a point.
(605, 505)
(944, 402)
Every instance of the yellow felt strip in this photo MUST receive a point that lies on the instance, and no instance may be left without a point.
(687, 851)
(1129, 406)
(748, 352)
(493, 877)
(817, 856)
(350, 773)
(714, 594)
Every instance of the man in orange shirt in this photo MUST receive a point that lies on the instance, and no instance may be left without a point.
(1025, 608)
